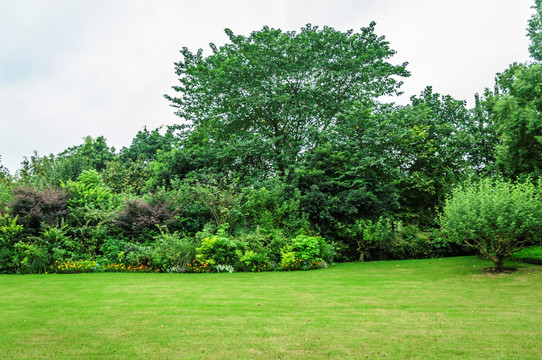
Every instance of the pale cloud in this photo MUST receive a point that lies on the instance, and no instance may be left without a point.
(70, 68)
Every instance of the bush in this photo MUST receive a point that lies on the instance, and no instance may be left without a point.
(254, 261)
(530, 255)
(6, 193)
(172, 252)
(91, 211)
(411, 242)
(34, 207)
(59, 244)
(139, 216)
(219, 249)
(33, 257)
(387, 239)
(10, 233)
(497, 218)
(306, 252)
(136, 255)
(90, 191)
(265, 242)
(370, 234)
(112, 250)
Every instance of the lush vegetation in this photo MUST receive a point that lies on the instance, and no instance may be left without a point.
(287, 159)
(496, 218)
(530, 255)
(419, 309)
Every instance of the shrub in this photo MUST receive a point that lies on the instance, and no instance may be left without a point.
(137, 255)
(369, 234)
(306, 252)
(112, 250)
(252, 260)
(219, 249)
(58, 243)
(191, 214)
(6, 192)
(126, 177)
(10, 233)
(90, 191)
(91, 209)
(34, 207)
(266, 242)
(495, 217)
(530, 255)
(172, 252)
(220, 199)
(139, 216)
(33, 257)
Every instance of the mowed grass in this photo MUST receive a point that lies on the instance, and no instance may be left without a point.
(416, 309)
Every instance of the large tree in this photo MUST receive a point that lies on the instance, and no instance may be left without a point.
(433, 149)
(517, 111)
(534, 31)
(266, 99)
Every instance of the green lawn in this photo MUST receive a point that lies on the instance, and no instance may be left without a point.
(416, 309)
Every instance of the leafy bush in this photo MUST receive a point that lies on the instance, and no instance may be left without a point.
(306, 252)
(368, 234)
(220, 199)
(90, 191)
(410, 242)
(9, 235)
(59, 244)
(91, 210)
(34, 207)
(219, 249)
(497, 218)
(139, 215)
(137, 255)
(386, 239)
(126, 177)
(253, 261)
(530, 255)
(112, 250)
(6, 192)
(172, 252)
(33, 257)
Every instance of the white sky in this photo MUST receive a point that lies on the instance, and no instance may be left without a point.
(71, 68)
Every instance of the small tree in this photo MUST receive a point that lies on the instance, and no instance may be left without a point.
(495, 217)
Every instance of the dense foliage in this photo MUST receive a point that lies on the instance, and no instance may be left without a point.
(285, 158)
(496, 218)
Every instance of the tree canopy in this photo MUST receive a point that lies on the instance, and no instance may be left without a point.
(534, 31)
(276, 95)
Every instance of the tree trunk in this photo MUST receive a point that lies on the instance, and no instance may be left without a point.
(498, 261)
(361, 252)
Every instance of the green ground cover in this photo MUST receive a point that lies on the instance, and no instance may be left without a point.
(415, 309)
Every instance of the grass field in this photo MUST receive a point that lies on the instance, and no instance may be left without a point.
(416, 309)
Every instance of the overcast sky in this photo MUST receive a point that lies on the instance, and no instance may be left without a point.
(71, 68)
